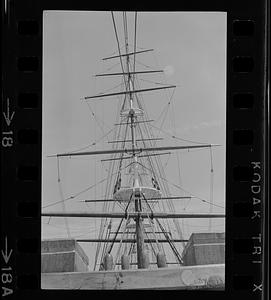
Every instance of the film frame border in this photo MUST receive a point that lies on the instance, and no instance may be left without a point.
(246, 160)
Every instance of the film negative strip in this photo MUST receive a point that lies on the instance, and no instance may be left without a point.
(28, 83)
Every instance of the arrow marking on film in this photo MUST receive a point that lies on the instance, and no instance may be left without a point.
(7, 115)
(6, 255)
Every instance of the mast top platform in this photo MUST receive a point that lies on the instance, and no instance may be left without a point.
(134, 111)
(125, 194)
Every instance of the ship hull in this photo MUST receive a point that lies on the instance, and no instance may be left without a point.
(184, 277)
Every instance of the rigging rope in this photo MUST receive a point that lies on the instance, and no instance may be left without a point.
(144, 65)
(179, 167)
(157, 83)
(178, 187)
(113, 66)
(196, 197)
(110, 89)
(121, 239)
(81, 192)
(106, 205)
(146, 233)
(149, 134)
(168, 105)
(150, 222)
(158, 165)
(96, 118)
(167, 192)
(93, 143)
(135, 46)
(211, 189)
(116, 34)
(62, 199)
(175, 137)
(174, 249)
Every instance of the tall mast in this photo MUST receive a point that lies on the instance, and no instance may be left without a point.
(136, 195)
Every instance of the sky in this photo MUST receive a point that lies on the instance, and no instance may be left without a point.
(191, 49)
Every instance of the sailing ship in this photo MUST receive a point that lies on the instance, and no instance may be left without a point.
(140, 244)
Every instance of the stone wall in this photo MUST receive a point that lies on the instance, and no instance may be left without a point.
(63, 255)
(204, 249)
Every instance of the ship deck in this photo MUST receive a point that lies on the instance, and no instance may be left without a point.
(184, 277)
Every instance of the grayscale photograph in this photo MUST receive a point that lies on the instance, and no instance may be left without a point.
(133, 150)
